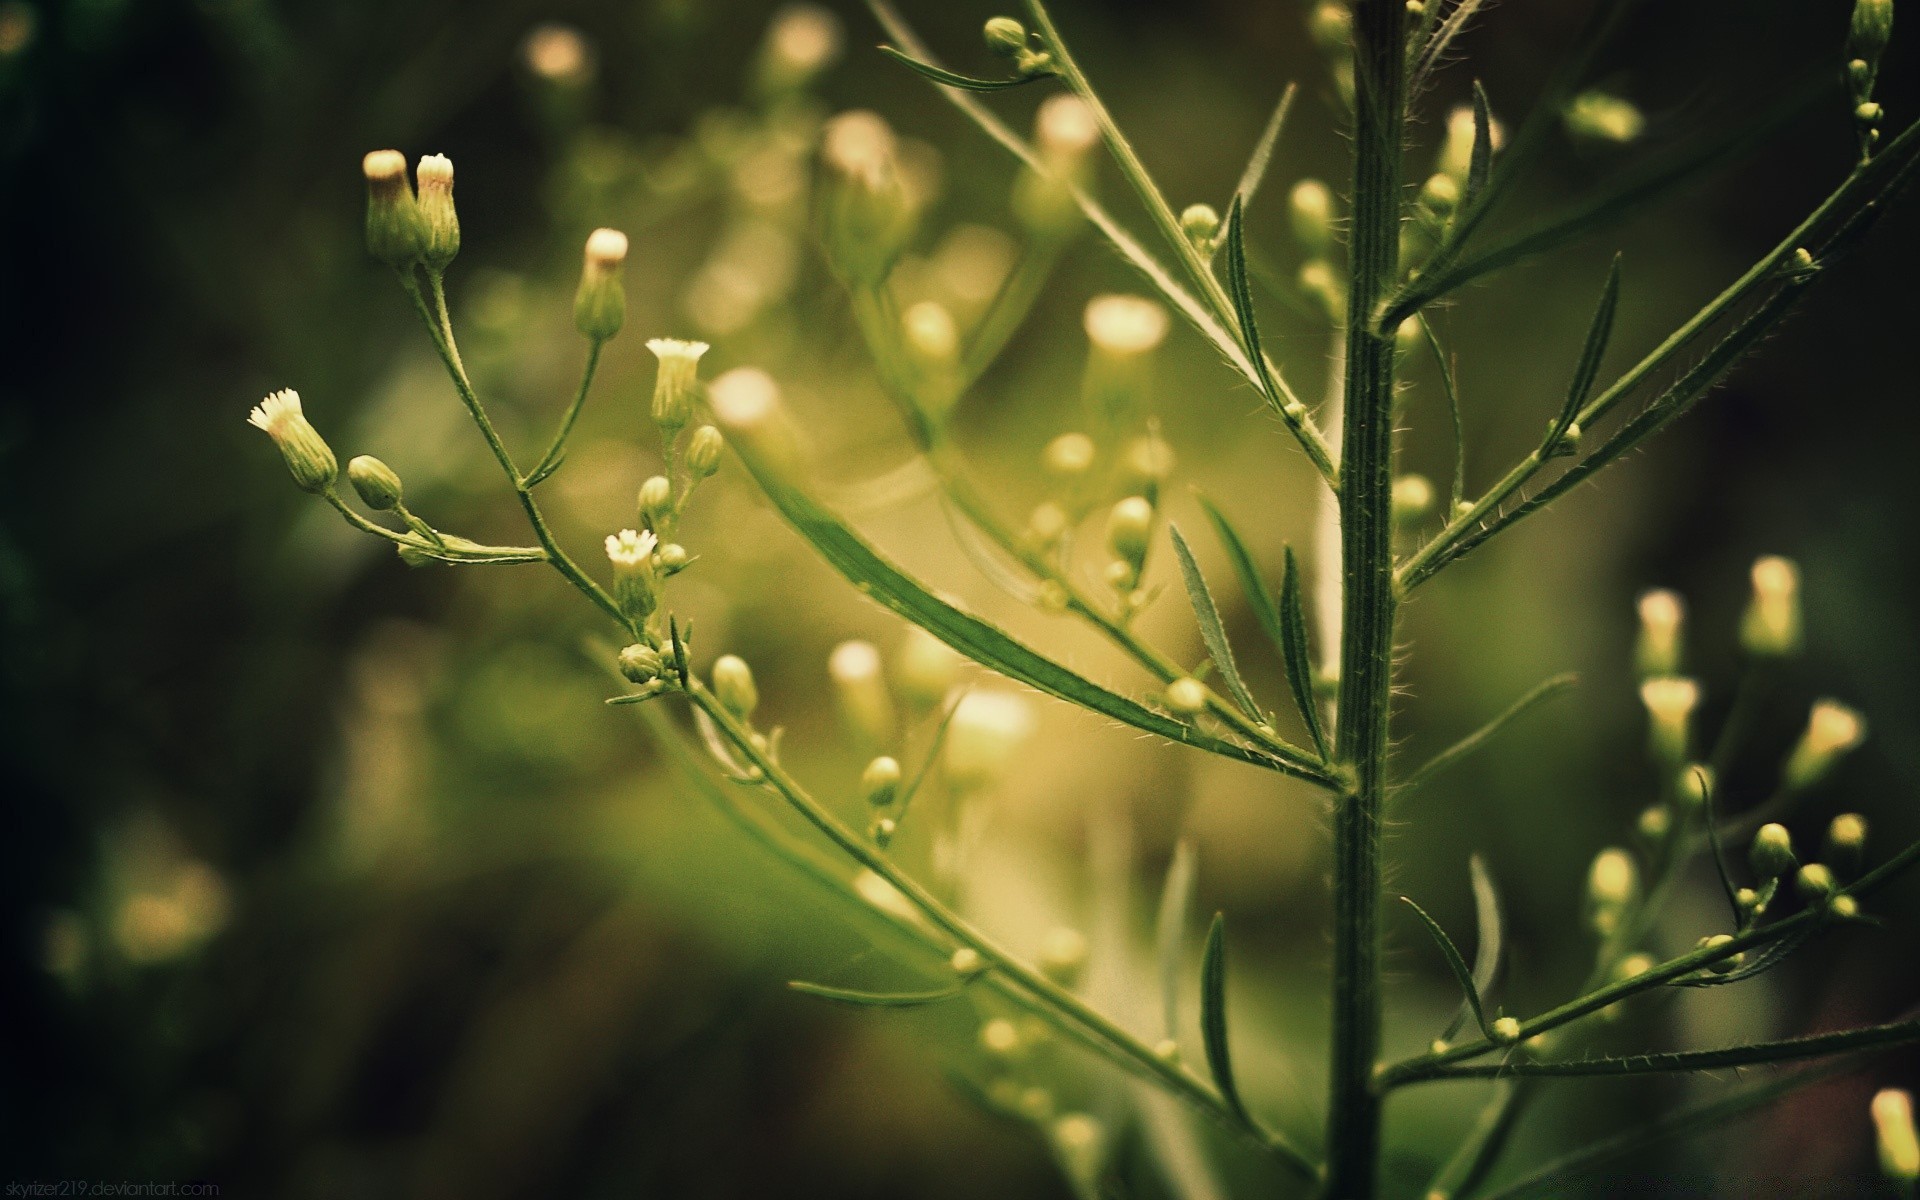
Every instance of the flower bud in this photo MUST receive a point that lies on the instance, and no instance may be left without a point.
(1846, 842)
(1670, 702)
(441, 224)
(1078, 1139)
(1125, 327)
(733, 686)
(1187, 696)
(987, 730)
(375, 481)
(1322, 285)
(1440, 194)
(1412, 498)
(925, 669)
(703, 451)
(1814, 883)
(600, 305)
(1331, 27)
(1894, 1134)
(1310, 209)
(1832, 730)
(636, 584)
(675, 382)
(1005, 36)
(746, 403)
(1693, 785)
(641, 663)
(865, 706)
(656, 500)
(1000, 1038)
(1065, 133)
(308, 456)
(1129, 529)
(1658, 650)
(1771, 626)
(880, 782)
(1771, 854)
(1506, 1031)
(1600, 117)
(1063, 956)
(802, 41)
(1721, 966)
(396, 234)
(1612, 883)
(1870, 32)
(1655, 823)
(869, 211)
(671, 558)
(1047, 524)
(1069, 456)
(1201, 223)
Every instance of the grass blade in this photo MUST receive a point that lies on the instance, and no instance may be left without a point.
(1599, 333)
(946, 78)
(1295, 649)
(1263, 151)
(1212, 632)
(1170, 930)
(1213, 1015)
(979, 640)
(862, 999)
(1481, 736)
(1456, 964)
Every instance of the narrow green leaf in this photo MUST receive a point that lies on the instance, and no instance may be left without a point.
(926, 764)
(946, 78)
(1705, 782)
(1294, 646)
(1212, 632)
(1170, 931)
(1442, 38)
(1488, 932)
(1263, 151)
(1450, 388)
(1599, 333)
(1850, 1041)
(1259, 599)
(862, 999)
(979, 640)
(1480, 159)
(1213, 1016)
(1242, 296)
(1456, 964)
(1479, 737)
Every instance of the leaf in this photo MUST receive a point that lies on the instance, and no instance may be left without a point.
(1213, 1016)
(1895, 1033)
(1487, 938)
(1599, 333)
(1263, 151)
(979, 640)
(946, 78)
(1259, 599)
(1456, 964)
(1480, 159)
(1212, 632)
(1242, 296)
(1442, 38)
(876, 999)
(926, 764)
(1170, 931)
(1766, 960)
(1705, 781)
(1293, 644)
(1479, 737)
(1450, 388)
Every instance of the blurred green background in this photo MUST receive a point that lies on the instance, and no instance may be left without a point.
(327, 876)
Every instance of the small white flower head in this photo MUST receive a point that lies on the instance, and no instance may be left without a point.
(675, 382)
(1065, 129)
(600, 305)
(925, 669)
(802, 41)
(1847, 836)
(1000, 1038)
(988, 730)
(860, 146)
(1832, 730)
(1506, 1031)
(385, 169)
(1310, 209)
(1125, 326)
(1894, 1135)
(1670, 701)
(631, 550)
(861, 688)
(1187, 696)
(636, 582)
(1661, 614)
(1201, 224)
(734, 687)
(1079, 1139)
(559, 54)
(308, 456)
(434, 174)
(396, 232)
(1771, 626)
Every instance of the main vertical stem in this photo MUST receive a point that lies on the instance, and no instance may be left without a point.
(1366, 642)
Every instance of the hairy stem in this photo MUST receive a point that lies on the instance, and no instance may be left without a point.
(1366, 641)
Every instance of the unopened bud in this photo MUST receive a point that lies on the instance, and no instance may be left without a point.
(1894, 1134)
(1440, 194)
(641, 663)
(733, 686)
(1658, 650)
(1412, 498)
(880, 782)
(1654, 824)
(1079, 1138)
(1771, 854)
(1310, 209)
(1063, 956)
(1322, 284)
(396, 235)
(1832, 730)
(1200, 222)
(656, 499)
(1871, 30)
(746, 403)
(636, 584)
(675, 383)
(600, 304)
(1846, 842)
(1331, 27)
(1506, 1031)
(671, 558)
(802, 41)
(377, 484)
(1187, 696)
(1814, 883)
(307, 454)
(703, 451)
(1069, 456)
(1047, 524)
(1129, 529)
(1000, 1038)
(1693, 786)
(865, 706)
(1771, 626)
(1005, 36)
(1720, 966)
(1612, 883)
(1670, 702)
(441, 224)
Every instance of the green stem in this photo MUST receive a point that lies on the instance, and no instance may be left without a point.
(551, 459)
(1367, 625)
(441, 329)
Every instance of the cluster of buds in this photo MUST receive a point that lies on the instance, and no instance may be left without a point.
(1010, 40)
(405, 230)
(1130, 525)
(1867, 38)
(1774, 862)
